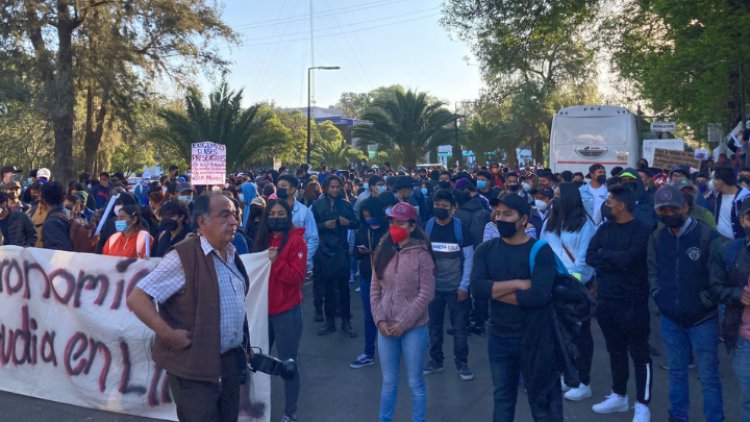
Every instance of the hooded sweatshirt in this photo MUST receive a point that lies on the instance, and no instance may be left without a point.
(368, 236)
(287, 272)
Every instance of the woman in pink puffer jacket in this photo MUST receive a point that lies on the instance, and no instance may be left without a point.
(403, 285)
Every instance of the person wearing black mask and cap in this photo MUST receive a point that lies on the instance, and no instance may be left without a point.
(678, 272)
(594, 193)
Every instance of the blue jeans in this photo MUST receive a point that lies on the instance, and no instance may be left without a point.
(703, 341)
(413, 345)
(741, 366)
(371, 331)
(505, 365)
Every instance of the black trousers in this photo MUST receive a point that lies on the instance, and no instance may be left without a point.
(200, 401)
(626, 327)
(331, 285)
(585, 345)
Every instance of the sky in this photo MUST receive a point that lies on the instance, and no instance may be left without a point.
(375, 42)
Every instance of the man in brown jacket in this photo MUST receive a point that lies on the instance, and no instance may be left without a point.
(200, 327)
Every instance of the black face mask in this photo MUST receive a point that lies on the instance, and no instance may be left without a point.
(277, 224)
(281, 193)
(672, 221)
(578, 183)
(441, 213)
(632, 186)
(506, 229)
(601, 179)
(607, 213)
(444, 184)
(513, 187)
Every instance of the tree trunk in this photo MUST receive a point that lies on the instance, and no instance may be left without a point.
(94, 128)
(64, 108)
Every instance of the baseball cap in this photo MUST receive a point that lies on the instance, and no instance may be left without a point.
(628, 174)
(595, 167)
(668, 196)
(745, 206)
(182, 187)
(403, 212)
(44, 172)
(14, 184)
(515, 202)
(684, 183)
(258, 201)
(545, 191)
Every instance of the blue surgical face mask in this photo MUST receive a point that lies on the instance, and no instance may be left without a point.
(121, 226)
(382, 188)
(366, 186)
(481, 184)
(424, 191)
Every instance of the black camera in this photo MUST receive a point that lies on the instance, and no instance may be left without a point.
(273, 366)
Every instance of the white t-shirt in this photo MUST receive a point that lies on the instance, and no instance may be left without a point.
(600, 195)
(724, 221)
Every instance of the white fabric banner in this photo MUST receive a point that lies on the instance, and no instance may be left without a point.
(67, 335)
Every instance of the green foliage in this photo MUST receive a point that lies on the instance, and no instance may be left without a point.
(683, 56)
(355, 104)
(224, 121)
(407, 125)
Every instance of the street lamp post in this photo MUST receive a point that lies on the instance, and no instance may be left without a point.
(309, 115)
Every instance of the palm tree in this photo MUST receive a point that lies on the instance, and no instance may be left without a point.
(335, 153)
(408, 124)
(224, 122)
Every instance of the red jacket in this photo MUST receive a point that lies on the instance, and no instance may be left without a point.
(287, 273)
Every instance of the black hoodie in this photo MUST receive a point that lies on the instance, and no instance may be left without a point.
(368, 236)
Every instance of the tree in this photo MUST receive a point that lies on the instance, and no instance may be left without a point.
(408, 124)
(148, 38)
(684, 58)
(224, 122)
(355, 104)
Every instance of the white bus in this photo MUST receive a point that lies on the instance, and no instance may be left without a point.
(593, 134)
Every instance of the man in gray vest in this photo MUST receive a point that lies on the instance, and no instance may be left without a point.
(200, 327)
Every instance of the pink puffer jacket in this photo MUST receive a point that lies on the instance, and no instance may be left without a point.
(407, 287)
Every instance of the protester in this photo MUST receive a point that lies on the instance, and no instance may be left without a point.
(130, 239)
(334, 216)
(301, 215)
(373, 226)
(55, 231)
(452, 250)
(502, 272)
(729, 199)
(101, 192)
(696, 211)
(374, 186)
(678, 273)
(288, 254)
(594, 194)
(173, 227)
(403, 284)
(13, 190)
(730, 268)
(15, 226)
(568, 232)
(201, 330)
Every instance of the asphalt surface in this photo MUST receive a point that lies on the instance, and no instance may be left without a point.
(331, 391)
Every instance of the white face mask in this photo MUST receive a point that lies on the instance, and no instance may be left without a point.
(67, 212)
(163, 189)
(226, 185)
(241, 197)
(540, 205)
(711, 185)
(216, 189)
(526, 187)
(185, 199)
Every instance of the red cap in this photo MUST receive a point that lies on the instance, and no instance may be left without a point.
(403, 211)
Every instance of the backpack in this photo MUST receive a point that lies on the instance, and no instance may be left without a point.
(731, 251)
(570, 298)
(81, 236)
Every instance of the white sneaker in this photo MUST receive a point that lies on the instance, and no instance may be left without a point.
(564, 386)
(642, 414)
(583, 391)
(614, 403)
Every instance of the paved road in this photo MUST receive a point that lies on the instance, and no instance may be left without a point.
(333, 392)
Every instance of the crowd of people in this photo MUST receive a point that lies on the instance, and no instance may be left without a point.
(415, 243)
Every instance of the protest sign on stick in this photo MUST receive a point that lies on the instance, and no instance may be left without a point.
(208, 163)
